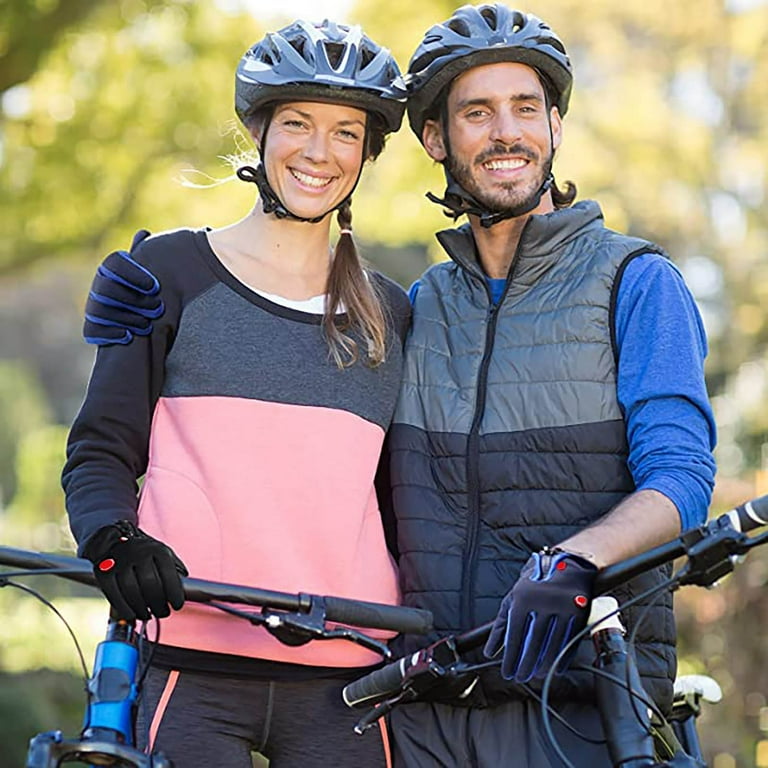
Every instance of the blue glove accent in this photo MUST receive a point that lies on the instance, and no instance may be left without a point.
(548, 606)
(123, 300)
(153, 287)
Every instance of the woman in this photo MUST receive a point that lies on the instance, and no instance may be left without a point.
(255, 405)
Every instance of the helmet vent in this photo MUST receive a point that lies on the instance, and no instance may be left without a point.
(460, 27)
(488, 12)
(555, 43)
(298, 44)
(518, 22)
(367, 56)
(334, 51)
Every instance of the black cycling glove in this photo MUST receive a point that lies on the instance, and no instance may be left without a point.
(548, 605)
(139, 575)
(124, 299)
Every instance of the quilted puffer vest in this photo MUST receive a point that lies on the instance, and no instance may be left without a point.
(508, 435)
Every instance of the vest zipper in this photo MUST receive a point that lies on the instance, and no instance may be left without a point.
(469, 560)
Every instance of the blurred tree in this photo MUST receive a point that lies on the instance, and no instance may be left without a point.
(23, 409)
(33, 702)
(93, 143)
(29, 29)
(39, 500)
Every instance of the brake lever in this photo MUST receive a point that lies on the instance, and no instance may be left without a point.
(383, 708)
(438, 664)
(346, 633)
(305, 626)
(712, 553)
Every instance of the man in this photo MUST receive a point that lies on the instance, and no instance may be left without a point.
(553, 417)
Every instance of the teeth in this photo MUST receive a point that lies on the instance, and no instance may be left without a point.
(312, 181)
(502, 165)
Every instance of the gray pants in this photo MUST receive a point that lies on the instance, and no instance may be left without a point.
(427, 735)
(207, 721)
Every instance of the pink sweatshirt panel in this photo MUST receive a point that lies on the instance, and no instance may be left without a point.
(269, 495)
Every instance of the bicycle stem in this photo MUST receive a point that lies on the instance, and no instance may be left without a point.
(626, 726)
(107, 736)
(621, 698)
(112, 686)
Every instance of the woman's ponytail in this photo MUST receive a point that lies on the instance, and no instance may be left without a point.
(350, 290)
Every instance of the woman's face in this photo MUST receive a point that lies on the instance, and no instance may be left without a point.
(313, 154)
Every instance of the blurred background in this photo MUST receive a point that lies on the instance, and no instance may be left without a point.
(106, 106)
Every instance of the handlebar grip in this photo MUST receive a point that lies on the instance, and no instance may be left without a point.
(750, 515)
(378, 684)
(378, 616)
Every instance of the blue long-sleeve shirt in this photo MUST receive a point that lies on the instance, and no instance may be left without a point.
(661, 348)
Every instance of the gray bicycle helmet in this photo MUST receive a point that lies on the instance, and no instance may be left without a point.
(321, 62)
(483, 34)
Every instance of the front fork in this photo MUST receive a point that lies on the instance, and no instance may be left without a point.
(107, 735)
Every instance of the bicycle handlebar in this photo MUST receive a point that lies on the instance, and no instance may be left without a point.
(388, 680)
(744, 518)
(341, 610)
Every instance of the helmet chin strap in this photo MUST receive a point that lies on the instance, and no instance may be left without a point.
(458, 201)
(271, 203)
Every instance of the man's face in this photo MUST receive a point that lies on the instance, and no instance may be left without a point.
(499, 135)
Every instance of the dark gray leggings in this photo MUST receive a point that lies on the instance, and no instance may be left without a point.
(202, 721)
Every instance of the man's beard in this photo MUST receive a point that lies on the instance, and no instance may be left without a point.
(506, 196)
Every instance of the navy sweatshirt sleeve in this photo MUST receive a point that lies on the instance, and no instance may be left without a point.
(107, 448)
(661, 346)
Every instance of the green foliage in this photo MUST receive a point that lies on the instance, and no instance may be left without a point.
(28, 28)
(96, 139)
(34, 702)
(39, 498)
(23, 408)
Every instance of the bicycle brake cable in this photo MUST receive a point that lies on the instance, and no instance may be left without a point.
(145, 665)
(670, 583)
(144, 639)
(305, 626)
(5, 581)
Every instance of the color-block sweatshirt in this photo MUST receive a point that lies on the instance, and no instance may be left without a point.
(258, 452)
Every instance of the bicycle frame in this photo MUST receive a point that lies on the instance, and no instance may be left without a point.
(107, 735)
(711, 553)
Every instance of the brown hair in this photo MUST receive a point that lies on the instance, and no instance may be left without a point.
(350, 285)
(562, 198)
